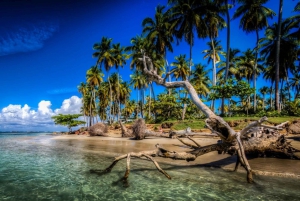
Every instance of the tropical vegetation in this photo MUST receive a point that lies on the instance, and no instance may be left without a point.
(229, 77)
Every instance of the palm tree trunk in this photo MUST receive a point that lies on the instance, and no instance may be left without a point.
(91, 110)
(110, 104)
(149, 112)
(137, 104)
(277, 57)
(288, 83)
(214, 71)
(169, 77)
(281, 95)
(142, 103)
(228, 42)
(271, 100)
(184, 107)
(263, 102)
(254, 71)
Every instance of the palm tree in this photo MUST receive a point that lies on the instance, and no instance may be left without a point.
(181, 71)
(213, 54)
(200, 80)
(94, 78)
(289, 51)
(277, 64)
(254, 17)
(227, 7)
(103, 93)
(119, 60)
(295, 84)
(129, 109)
(138, 81)
(159, 32)
(187, 20)
(82, 88)
(104, 57)
(233, 68)
(264, 91)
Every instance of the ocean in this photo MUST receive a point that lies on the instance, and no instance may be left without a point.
(34, 166)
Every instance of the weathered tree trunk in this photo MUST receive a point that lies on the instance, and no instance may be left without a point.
(125, 131)
(252, 139)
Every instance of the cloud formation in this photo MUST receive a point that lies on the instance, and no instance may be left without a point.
(16, 117)
(27, 37)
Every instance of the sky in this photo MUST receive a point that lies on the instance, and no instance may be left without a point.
(46, 49)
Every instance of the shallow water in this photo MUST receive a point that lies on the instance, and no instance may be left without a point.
(40, 168)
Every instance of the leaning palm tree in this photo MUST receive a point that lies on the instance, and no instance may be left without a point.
(254, 17)
(94, 78)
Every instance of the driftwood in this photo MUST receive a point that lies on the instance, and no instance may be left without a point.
(125, 131)
(188, 132)
(248, 141)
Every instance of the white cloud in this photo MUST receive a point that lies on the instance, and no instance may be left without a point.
(70, 106)
(16, 117)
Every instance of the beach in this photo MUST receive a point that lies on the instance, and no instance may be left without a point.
(115, 145)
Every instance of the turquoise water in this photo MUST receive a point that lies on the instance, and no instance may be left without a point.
(36, 167)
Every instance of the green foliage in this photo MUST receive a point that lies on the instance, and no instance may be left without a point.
(293, 107)
(68, 120)
(232, 88)
(199, 124)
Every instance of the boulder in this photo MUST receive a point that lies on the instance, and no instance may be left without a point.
(99, 129)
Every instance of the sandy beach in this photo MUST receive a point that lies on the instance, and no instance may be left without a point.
(115, 145)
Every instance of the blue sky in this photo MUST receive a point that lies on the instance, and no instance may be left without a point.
(46, 48)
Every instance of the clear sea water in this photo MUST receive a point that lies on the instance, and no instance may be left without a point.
(36, 167)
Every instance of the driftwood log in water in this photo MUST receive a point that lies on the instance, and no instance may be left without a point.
(256, 138)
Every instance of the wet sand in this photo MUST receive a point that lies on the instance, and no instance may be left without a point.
(115, 146)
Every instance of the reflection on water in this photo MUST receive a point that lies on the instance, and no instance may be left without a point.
(45, 169)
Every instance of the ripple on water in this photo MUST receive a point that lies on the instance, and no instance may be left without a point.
(30, 170)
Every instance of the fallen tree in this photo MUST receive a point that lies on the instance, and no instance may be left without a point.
(255, 139)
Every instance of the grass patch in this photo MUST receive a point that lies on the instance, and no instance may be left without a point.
(193, 124)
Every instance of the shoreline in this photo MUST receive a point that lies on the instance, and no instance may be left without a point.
(115, 145)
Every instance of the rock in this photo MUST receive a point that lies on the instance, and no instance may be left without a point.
(294, 128)
(99, 129)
